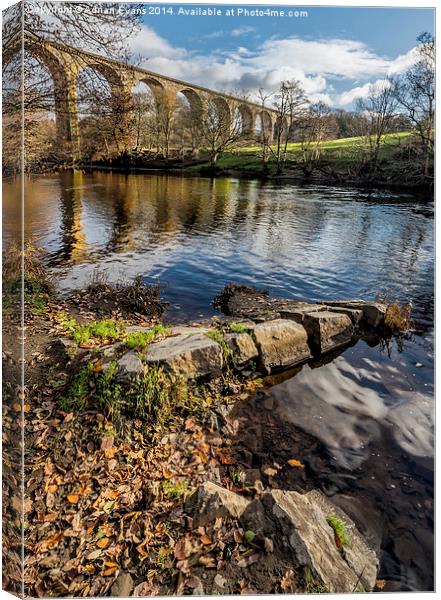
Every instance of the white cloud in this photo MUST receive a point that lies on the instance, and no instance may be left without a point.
(360, 92)
(313, 63)
(242, 31)
(147, 43)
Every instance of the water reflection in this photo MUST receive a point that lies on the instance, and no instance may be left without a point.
(195, 234)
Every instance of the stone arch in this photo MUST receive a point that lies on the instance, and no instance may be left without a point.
(157, 90)
(247, 119)
(58, 70)
(219, 113)
(194, 100)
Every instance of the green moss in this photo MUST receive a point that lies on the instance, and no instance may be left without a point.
(339, 527)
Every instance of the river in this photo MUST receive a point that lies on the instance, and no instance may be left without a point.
(371, 408)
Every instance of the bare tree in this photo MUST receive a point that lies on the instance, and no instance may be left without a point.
(219, 131)
(317, 125)
(290, 103)
(415, 94)
(379, 109)
(78, 24)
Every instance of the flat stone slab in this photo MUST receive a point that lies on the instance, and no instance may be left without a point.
(242, 347)
(357, 554)
(191, 354)
(297, 525)
(281, 343)
(328, 330)
(373, 312)
(297, 311)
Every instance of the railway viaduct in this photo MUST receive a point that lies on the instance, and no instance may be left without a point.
(65, 63)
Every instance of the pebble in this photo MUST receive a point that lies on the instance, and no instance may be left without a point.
(220, 581)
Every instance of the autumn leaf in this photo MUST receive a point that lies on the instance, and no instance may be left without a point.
(182, 549)
(103, 543)
(287, 580)
(73, 498)
(109, 571)
(293, 462)
(380, 583)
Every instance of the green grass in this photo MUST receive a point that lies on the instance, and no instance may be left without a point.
(340, 153)
(173, 491)
(76, 397)
(141, 339)
(108, 329)
(390, 139)
(339, 527)
(158, 398)
(237, 327)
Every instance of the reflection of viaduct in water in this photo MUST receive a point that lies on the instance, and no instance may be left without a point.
(65, 63)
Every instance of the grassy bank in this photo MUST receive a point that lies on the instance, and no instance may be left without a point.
(341, 161)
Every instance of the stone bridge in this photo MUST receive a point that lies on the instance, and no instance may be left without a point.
(65, 63)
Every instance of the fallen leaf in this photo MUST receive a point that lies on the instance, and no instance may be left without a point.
(182, 549)
(296, 463)
(73, 498)
(380, 583)
(103, 543)
(287, 580)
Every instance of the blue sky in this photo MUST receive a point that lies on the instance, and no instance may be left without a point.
(336, 52)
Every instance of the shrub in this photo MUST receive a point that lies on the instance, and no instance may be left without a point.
(397, 318)
(24, 271)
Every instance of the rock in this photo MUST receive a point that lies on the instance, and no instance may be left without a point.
(355, 314)
(137, 329)
(250, 476)
(281, 343)
(211, 501)
(268, 470)
(328, 330)
(373, 312)
(296, 524)
(190, 354)
(242, 347)
(357, 554)
(123, 585)
(220, 581)
(110, 351)
(130, 367)
(297, 310)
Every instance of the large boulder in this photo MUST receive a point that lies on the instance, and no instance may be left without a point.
(297, 526)
(328, 330)
(281, 343)
(242, 347)
(191, 354)
(211, 501)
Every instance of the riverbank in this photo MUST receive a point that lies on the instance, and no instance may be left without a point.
(149, 452)
(343, 162)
